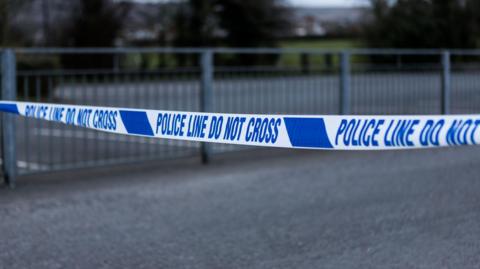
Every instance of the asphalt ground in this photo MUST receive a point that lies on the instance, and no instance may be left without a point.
(255, 209)
(406, 92)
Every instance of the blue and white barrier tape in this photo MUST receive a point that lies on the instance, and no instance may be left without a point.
(285, 131)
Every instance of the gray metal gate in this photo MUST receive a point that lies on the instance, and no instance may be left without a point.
(293, 81)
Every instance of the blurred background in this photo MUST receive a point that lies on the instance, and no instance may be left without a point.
(265, 23)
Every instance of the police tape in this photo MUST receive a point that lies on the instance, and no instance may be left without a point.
(285, 131)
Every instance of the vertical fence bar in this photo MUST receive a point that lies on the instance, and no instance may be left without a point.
(116, 62)
(446, 82)
(9, 92)
(305, 63)
(345, 83)
(206, 65)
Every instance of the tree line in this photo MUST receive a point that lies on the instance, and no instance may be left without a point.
(194, 23)
(232, 23)
(423, 24)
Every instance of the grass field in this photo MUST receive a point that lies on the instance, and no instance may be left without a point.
(293, 59)
(321, 44)
(151, 61)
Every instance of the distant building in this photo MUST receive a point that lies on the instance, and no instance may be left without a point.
(318, 22)
(309, 26)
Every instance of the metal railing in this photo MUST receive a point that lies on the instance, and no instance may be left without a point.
(274, 81)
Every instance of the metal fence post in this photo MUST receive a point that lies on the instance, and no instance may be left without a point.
(206, 65)
(345, 83)
(446, 82)
(9, 92)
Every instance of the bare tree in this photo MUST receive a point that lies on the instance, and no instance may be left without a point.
(8, 9)
(96, 23)
(233, 23)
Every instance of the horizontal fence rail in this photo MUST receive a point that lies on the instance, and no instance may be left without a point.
(263, 80)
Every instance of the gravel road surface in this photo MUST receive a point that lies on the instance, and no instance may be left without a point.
(256, 209)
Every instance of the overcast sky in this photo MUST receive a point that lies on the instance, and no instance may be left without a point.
(316, 3)
(335, 3)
